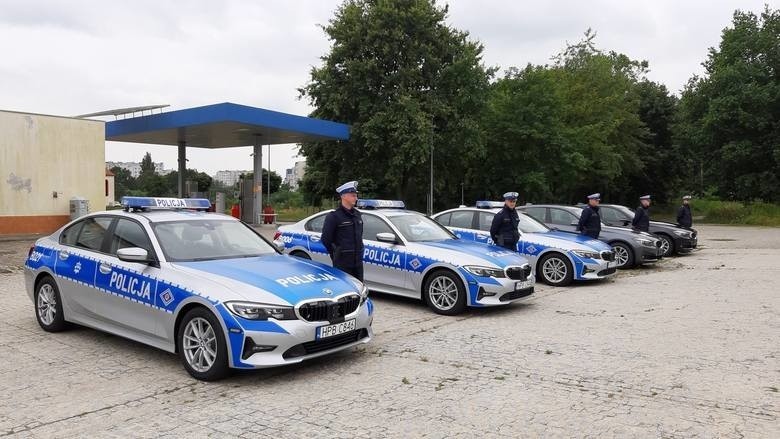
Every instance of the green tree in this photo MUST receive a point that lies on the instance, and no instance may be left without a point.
(204, 181)
(276, 180)
(123, 182)
(730, 117)
(406, 82)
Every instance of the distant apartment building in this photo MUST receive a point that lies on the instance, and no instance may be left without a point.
(229, 178)
(294, 175)
(135, 167)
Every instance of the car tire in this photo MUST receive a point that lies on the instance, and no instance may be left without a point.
(48, 306)
(444, 293)
(555, 269)
(300, 254)
(624, 255)
(667, 244)
(205, 355)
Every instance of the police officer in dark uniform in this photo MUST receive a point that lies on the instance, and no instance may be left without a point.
(342, 233)
(641, 219)
(503, 229)
(590, 220)
(684, 216)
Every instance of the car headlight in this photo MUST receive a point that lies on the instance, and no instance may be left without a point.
(484, 271)
(363, 294)
(261, 311)
(587, 254)
(683, 233)
(645, 242)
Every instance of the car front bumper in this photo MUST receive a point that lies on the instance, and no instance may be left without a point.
(594, 269)
(299, 341)
(685, 245)
(649, 254)
(500, 291)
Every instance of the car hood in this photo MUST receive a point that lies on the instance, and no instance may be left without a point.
(628, 232)
(460, 252)
(273, 278)
(567, 241)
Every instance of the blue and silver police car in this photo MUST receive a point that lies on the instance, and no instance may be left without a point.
(408, 254)
(203, 285)
(558, 258)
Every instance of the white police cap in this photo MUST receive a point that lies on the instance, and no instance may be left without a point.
(686, 197)
(596, 196)
(511, 195)
(350, 186)
(644, 197)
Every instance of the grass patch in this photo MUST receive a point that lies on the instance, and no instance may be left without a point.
(714, 211)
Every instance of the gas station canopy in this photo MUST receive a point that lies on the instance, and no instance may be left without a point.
(222, 126)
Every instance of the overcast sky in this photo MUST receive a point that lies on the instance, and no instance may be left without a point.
(76, 57)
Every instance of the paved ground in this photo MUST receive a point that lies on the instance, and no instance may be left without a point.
(688, 348)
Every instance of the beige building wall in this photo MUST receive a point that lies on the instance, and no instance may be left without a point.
(44, 161)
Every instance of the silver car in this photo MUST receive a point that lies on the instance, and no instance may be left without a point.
(201, 284)
(408, 254)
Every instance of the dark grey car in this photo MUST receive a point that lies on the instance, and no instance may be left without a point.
(631, 247)
(674, 239)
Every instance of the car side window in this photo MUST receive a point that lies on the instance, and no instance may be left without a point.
(373, 225)
(610, 215)
(536, 213)
(486, 220)
(444, 219)
(71, 234)
(93, 232)
(315, 224)
(462, 219)
(127, 234)
(561, 217)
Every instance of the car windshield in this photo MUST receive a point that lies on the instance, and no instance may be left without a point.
(530, 225)
(201, 240)
(418, 228)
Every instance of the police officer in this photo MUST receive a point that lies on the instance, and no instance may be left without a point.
(590, 220)
(684, 216)
(641, 219)
(503, 229)
(342, 233)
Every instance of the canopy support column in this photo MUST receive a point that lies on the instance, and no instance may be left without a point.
(182, 166)
(257, 184)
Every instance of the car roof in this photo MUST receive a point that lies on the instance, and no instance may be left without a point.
(163, 215)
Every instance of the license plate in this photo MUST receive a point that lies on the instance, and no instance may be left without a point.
(335, 329)
(523, 285)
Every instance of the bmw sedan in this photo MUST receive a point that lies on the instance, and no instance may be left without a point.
(202, 285)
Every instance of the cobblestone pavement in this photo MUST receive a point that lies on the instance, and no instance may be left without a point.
(687, 348)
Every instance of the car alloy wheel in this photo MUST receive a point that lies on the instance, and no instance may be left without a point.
(47, 304)
(443, 293)
(554, 270)
(199, 344)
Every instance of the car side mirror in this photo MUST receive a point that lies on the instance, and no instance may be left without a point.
(386, 237)
(133, 254)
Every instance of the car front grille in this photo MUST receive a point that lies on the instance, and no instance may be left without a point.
(517, 294)
(316, 346)
(332, 311)
(518, 273)
(608, 256)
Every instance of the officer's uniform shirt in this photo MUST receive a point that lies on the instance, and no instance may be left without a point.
(684, 216)
(503, 229)
(590, 222)
(641, 219)
(342, 236)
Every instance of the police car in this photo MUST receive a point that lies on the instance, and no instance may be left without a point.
(557, 257)
(201, 284)
(408, 254)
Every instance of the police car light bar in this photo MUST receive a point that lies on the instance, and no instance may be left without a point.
(164, 203)
(489, 204)
(380, 204)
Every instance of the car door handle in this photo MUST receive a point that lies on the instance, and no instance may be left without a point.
(315, 239)
(63, 256)
(105, 269)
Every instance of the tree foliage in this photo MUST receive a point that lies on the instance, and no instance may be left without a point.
(406, 82)
(730, 117)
